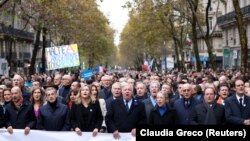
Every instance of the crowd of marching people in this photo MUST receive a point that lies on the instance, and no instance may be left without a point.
(114, 102)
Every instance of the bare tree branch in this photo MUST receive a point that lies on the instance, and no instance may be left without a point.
(3, 3)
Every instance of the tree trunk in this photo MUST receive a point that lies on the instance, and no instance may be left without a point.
(43, 50)
(139, 61)
(208, 40)
(34, 53)
(195, 44)
(210, 53)
(206, 36)
(89, 61)
(176, 44)
(177, 55)
(92, 59)
(243, 37)
(183, 68)
(9, 56)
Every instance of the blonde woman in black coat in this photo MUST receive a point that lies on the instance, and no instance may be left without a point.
(86, 114)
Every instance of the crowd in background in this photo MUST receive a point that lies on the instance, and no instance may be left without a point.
(115, 102)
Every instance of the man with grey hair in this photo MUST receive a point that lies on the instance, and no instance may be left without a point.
(64, 90)
(184, 105)
(223, 79)
(54, 116)
(141, 92)
(105, 92)
(57, 80)
(150, 102)
(125, 113)
(19, 82)
(116, 93)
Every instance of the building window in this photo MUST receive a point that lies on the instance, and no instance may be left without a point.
(226, 37)
(210, 8)
(234, 36)
(245, 3)
(210, 24)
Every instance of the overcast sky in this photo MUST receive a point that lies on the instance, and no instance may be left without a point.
(117, 15)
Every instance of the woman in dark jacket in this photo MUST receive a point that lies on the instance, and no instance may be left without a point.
(162, 114)
(86, 115)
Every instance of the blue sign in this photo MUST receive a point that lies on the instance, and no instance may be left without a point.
(86, 74)
(202, 59)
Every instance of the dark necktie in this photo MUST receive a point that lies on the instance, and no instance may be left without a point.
(241, 103)
(126, 104)
(187, 103)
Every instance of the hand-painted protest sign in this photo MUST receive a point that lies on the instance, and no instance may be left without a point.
(86, 74)
(62, 57)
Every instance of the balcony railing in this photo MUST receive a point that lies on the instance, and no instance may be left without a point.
(230, 17)
(16, 33)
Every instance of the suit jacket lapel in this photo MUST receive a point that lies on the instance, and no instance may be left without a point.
(236, 101)
(246, 100)
(122, 105)
(133, 105)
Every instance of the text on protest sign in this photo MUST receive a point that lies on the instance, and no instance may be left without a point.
(62, 57)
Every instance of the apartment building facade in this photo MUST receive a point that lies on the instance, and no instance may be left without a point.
(216, 35)
(231, 41)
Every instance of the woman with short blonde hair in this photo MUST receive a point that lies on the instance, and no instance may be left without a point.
(86, 114)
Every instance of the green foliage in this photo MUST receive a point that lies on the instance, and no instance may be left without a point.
(148, 32)
(71, 21)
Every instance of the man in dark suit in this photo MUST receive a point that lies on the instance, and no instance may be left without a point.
(125, 113)
(237, 107)
(116, 93)
(150, 102)
(177, 95)
(63, 91)
(184, 105)
(209, 112)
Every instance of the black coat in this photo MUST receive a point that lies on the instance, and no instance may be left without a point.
(2, 119)
(234, 115)
(168, 118)
(199, 112)
(19, 119)
(118, 118)
(86, 118)
(53, 119)
(105, 93)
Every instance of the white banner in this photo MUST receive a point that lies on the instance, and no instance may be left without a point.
(38, 135)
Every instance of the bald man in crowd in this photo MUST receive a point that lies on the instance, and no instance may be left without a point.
(19, 82)
(19, 114)
(184, 105)
(64, 90)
